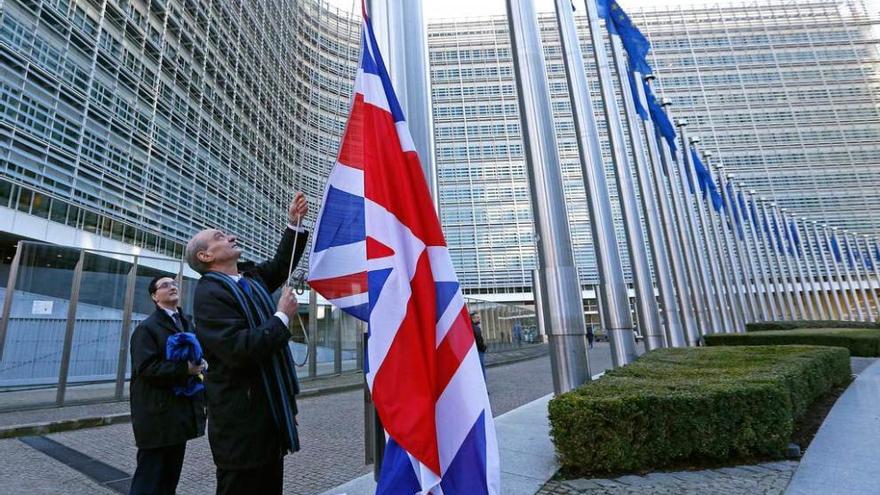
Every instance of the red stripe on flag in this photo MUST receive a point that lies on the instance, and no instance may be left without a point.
(403, 388)
(351, 150)
(336, 287)
(376, 249)
(455, 346)
(395, 180)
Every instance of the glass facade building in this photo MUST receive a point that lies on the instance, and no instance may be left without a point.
(128, 125)
(142, 122)
(785, 94)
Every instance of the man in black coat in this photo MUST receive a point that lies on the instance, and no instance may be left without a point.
(248, 436)
(162, 421)
(478, 337)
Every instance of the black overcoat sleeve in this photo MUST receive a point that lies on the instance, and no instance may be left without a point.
(149, 359)
(274, 271)
(223, 331)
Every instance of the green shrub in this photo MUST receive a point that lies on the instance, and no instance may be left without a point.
(860, 342)
(765, 326)
(678, 405)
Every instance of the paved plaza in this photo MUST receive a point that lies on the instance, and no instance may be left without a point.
(101, 460)
(763, 479)
(331, 429)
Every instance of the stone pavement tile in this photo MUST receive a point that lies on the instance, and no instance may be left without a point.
(691, 476)
(734, 472)
(25, 470)
(583, 484)
(756, 480)
(781, 466)
(331, 430)
(634, 480)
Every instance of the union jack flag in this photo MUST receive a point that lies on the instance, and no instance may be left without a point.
(379, 254)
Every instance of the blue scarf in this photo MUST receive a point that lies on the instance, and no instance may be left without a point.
(279, 373)
(183, 346)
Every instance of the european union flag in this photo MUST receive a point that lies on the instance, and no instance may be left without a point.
(779, 245)
(634, 42)
(661, 120)
(704, 179)
(734, 210)
(795, 238)
(640, 107)
(835, 248)
(789, 238)
(754, 212)
(742, 205)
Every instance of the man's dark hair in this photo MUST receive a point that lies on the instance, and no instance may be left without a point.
(152, 287)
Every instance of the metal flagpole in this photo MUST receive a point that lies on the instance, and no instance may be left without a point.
(772, 268)
(788, 270)
(563, 306)
(745, 292)
(646, 302)
(869, 286)
(841, 291)
(722, 250)
(775, 309)
(785, 266)
(614, 292)
(794, 258)
(774, 243)
(860, 289)
(876, 263)
(810, 295)
(749, 246)
(823, 301)
(656, 240)
(693, 255)
(676, 261)
(854, 294)
(743, 253)
(719, 325)
(710, 240)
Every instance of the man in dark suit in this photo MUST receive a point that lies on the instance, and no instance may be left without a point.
(162, 421)
(252, 383)
(478, 337)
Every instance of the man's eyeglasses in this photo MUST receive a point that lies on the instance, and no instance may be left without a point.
(165, 285)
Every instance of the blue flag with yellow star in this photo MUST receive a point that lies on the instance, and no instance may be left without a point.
(835, 248)
(661, 120)
(634, 42)
(707, 185)
(637, 102)
(734, 210)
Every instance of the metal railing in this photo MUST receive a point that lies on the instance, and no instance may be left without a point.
(68, 314)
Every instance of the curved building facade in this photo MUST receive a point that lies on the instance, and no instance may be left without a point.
(130, 124)
(136, 123)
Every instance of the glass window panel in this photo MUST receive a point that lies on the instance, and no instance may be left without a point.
(41, 205)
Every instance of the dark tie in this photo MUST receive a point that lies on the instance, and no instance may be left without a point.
(246, 286)
(177, 322)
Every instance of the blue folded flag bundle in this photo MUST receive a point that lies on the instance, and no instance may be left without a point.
(184, 346)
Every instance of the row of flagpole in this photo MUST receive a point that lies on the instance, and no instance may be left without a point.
(722, 255)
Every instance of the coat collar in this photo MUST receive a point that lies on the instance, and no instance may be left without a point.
(167, 323)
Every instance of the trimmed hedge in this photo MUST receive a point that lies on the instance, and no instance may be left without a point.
(767, 326)
(676, 405)
(860, 342)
